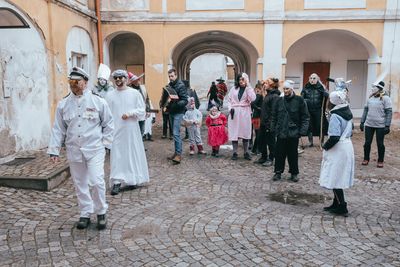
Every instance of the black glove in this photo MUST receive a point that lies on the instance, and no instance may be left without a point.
(386, 130)
(153, 120)
(232, 112)
(362, 127)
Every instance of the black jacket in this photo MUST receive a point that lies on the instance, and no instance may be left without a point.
(314, 95)
(256, 106)
(179, 106)
(268, 107)
(291, 117)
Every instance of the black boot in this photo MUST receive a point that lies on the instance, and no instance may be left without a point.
(247, 156)
(101, 222)
(115, 190)
(234, 156)
(310, 140)
(213, 153)
(277, 176)
(83, 223)
(341, 209)
(333, 206)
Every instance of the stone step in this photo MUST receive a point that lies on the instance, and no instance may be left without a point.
(33, 170)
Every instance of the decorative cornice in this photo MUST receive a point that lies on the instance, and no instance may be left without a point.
(243, 17)
(77, 8)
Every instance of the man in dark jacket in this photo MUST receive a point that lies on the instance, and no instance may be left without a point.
(290, 121)
(177, 108)
(266, 138)
(314, 94)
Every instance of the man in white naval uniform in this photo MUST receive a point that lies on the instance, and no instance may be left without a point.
(83, 121)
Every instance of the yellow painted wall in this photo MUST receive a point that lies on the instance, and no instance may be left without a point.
(294, 31)
(160, 40)
(254, 5)
(155, 6)
(176, 6)
(55, 21)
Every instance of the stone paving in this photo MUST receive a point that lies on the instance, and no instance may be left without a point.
(212, 212)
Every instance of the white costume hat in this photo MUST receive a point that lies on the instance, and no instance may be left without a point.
(103, 72)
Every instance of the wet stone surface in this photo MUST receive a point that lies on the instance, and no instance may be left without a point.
(212, 212)
(297, 198)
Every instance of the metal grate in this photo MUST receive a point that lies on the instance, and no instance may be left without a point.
(18, 161)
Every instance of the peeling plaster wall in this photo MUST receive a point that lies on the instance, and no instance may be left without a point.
(24, 109)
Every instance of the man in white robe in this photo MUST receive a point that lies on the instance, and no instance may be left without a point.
(128, 158)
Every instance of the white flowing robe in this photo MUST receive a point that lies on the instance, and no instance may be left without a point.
(128, 158)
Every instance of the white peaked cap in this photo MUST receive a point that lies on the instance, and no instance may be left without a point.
(103, 72)
(288, 84)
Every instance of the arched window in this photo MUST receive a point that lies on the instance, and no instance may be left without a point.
(11, 19)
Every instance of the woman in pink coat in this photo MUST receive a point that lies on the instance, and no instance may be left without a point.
(239, 121)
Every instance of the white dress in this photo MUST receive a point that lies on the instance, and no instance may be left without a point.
(337, 167)
(128, 158)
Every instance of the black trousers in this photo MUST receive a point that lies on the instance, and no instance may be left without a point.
(266, 143)
(315, 122)
(141, 126)
(380, 136)
(166, 124)
(287, 147)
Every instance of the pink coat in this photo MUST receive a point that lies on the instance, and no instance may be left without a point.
(240, 126)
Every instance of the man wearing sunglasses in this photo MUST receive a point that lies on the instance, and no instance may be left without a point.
(128, 158)
(83, 122)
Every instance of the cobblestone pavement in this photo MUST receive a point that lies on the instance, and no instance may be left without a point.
(212, 212)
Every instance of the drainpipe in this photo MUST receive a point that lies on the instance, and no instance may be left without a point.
(99, 34)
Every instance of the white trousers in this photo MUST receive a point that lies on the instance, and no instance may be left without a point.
(89, 176)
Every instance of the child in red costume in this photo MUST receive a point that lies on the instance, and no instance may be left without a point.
(216, 122)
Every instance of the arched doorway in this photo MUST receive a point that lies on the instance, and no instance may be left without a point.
(24, 89)
(79, 51)
(208, 68)
(243, 54)
(125, 50)
(335, 53)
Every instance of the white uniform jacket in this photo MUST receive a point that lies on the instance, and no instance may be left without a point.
(84, 123)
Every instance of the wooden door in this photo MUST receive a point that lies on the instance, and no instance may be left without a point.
(322, 69)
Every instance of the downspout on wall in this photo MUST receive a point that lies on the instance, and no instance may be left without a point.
(99, 33)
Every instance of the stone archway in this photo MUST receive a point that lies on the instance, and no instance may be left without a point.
(125, 50)
(241, 51)
(24, 88)
(349, 55)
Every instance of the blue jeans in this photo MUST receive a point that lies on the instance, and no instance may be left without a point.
(176, 120)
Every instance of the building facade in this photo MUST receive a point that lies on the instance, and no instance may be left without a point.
(358, 40)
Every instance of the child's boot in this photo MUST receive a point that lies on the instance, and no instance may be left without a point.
(191, 150)
(200, 149)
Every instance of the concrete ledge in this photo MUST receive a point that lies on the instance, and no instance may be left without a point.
(37, 183)
(36, 173)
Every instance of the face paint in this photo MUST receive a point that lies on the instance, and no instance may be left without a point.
(102, 82)
(313, 79)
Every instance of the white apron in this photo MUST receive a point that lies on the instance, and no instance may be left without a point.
(337, 167)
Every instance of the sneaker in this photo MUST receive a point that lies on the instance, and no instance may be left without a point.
(300, 150)
(380, 164)
(164, 137)
(247, 156)
(115, 189)
(294, 178)
(268, 163)
(365, 162)
(276, 177)
(101, 222)
(83, 223)
(191, 153)
(234, 156)
(260, 160)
